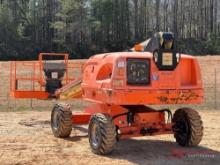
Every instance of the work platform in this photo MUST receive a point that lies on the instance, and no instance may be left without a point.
(29, 79)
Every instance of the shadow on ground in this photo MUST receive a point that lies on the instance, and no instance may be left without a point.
(156, 152)
(78, 133)
(139, 151)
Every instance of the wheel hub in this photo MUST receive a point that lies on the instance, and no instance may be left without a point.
(95, 135)
(55, 120)
(182, 129)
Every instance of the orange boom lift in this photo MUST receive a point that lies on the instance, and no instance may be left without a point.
(121, 85)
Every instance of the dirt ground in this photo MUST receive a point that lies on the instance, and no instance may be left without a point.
(26, 138)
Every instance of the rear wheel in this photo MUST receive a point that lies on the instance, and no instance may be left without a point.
(61, 120)
(102, 134)
(188, 127)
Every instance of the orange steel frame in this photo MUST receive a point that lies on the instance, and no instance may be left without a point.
(109, 99)
(180, 86)
(152, 119)
(37, 76)
(153, 122)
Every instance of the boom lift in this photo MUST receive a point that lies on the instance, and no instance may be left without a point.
(120, 85)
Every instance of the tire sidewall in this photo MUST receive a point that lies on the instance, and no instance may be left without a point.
(55, 130)
(93, 122)
(195, 131)
(63, 126)
(185, 118)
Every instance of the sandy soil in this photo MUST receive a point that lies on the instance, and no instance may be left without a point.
(26, 138)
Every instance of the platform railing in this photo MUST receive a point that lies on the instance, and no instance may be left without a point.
(22, 72)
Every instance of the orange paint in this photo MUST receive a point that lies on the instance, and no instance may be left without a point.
(105, 83)
(180, 86)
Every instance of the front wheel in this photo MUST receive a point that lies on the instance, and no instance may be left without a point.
(188, 127)
(102, 134)
(61, 120)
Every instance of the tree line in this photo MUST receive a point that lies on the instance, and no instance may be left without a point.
(86, 27)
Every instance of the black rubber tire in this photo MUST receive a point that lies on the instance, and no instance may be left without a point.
(106, 134)
(61, 120)
(188, 127)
